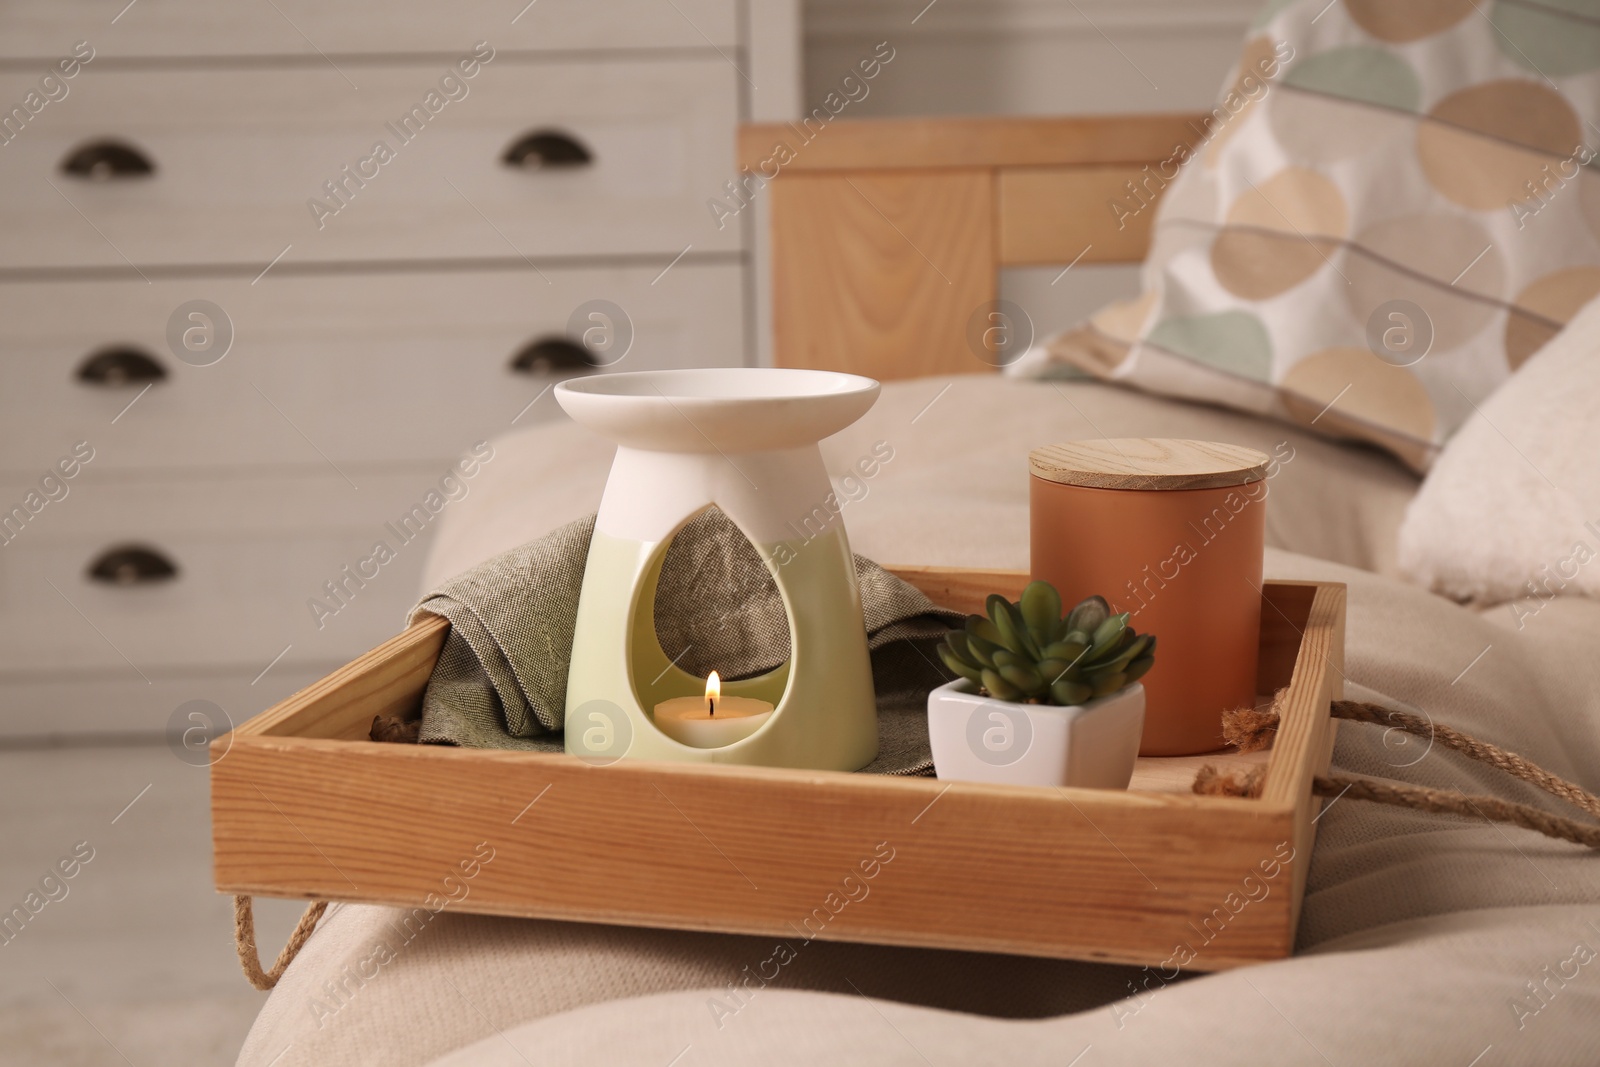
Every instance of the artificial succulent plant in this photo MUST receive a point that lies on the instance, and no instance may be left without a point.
(1028, 652)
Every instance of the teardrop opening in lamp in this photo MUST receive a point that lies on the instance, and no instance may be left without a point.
(718, 621)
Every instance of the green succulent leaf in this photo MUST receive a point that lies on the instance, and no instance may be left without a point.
(1054, 670)
(982, 651)
(1070, 693)
(1107, 634)
(1089, 614)
(1004, 657)
(1008, 620)
(1106, 684)
(978, 626)
(1133, 650)
(958, 664)
(999, 688)
(994, 605)
(1027, 679)
(1070, 651)
(1138, 668)
(1041, 611)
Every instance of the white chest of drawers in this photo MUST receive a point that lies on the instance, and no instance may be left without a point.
(539, 208)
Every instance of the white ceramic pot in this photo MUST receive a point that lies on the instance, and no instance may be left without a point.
(980, 739)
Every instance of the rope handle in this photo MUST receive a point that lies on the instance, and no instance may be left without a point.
(1490, 808)
(244, 939)
(1250, 729)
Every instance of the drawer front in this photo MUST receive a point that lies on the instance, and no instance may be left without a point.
(302, 27)
(344, 369)
(115, 702)
(171, 167)
(247, 561)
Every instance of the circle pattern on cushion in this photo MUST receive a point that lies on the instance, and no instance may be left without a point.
(1361, 389)
(1456, 261)
(1123, 320)
(1554, 298)
(1359, 72)
(1552, 39)
(1232, 341)
(1259, 265)
(1488, 141)
(1399, 21)
(1270, 244)
(1295, 200)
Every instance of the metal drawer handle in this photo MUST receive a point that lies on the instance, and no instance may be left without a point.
(132, 565)
(546, 148)
(103, 160)
(120, 365)
(552, 355)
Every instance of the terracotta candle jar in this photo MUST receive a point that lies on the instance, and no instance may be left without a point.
(1171, 532)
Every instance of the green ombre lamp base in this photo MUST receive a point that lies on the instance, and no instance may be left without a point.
(744, 440)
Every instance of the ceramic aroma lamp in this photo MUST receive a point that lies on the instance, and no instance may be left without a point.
(745, 440)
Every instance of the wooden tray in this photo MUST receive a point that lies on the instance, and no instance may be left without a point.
(304, 806)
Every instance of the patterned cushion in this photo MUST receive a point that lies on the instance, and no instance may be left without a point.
(1393, 209)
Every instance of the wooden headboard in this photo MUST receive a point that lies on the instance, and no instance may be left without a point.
(888, 235)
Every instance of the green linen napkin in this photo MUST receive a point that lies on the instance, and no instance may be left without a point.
(501, 680)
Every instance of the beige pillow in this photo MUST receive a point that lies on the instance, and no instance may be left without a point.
(1392, 211)
(1512, 507)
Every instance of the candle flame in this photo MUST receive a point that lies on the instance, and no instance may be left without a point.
(713, 692)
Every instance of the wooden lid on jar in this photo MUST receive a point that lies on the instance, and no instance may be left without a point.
(1148, 463)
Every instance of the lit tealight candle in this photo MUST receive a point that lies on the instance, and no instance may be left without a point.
(713, 720)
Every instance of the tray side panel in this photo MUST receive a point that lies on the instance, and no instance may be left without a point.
(1130, 878)
(1285, 609)
(1304, 743)
(388, 680)
(1304, 722)
(961, 588)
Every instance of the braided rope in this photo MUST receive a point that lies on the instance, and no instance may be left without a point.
(244, 939)
(1251, 729)
(1491, 809)
(1482, 751)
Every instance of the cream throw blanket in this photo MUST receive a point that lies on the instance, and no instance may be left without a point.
(1424, 939)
